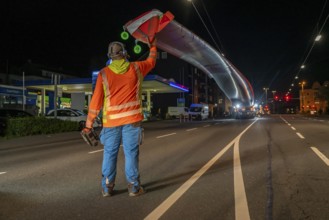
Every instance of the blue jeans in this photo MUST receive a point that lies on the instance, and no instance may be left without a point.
(111, 139)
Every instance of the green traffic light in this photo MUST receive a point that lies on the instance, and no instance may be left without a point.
(124, 35)
(137, 49)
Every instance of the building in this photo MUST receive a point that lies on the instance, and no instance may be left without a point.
(313, 100)
(205, 90)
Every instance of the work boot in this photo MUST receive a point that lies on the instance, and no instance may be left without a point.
(110, 190)
(135, 192)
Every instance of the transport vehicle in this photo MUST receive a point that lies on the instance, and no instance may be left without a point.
(199, 111)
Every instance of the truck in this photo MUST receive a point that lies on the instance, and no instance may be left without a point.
(177, 112)
(199, 111)
(244, 112)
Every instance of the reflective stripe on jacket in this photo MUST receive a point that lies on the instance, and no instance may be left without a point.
(120, 94)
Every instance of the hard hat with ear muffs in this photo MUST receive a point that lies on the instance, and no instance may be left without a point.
(116, 49)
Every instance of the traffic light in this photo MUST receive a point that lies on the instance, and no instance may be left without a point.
(287, 98)
(276, 98)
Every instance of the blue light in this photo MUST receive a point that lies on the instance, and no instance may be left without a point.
(178, 87)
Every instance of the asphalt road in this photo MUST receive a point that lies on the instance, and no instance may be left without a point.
(273, 167)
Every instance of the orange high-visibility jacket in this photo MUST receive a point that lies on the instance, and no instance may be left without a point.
(120, 93)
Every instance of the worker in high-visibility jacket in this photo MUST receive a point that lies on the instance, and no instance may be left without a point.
(118, 92)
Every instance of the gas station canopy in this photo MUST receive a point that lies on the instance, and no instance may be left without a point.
(151, 83)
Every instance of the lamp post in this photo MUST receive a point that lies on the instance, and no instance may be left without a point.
(265, 89)
(302, 84)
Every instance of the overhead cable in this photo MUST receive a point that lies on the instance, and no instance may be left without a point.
(206, 26)
(212, 25)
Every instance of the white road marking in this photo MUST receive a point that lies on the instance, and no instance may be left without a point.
(241, 204)
(2, 173)
(206, 126)
(96, 151)
(301, 136)
(166, 135)
(288, 124)
(191, 129)
(293, 128)
(284, 120)
(321, 155)
(165, 205)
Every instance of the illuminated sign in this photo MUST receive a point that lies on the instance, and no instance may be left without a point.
(177, 86)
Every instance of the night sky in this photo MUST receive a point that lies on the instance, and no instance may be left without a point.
(267, 40)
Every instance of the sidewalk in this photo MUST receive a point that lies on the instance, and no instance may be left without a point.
(323, 116)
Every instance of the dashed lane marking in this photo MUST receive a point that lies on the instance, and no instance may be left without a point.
(299, 135)
(2, 173)
(293, 128)
(191, 129)
(321, 155)
(166, 135)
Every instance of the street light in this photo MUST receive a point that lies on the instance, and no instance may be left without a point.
(318, 38)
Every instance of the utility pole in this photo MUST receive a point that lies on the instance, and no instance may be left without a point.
(56, 79)
(273, 93)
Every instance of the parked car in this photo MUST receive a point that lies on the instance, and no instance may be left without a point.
(73, 115)
(5, 114)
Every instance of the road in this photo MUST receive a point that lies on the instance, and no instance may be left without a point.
(273, 167)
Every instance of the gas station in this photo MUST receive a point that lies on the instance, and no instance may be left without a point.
(80, 91)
